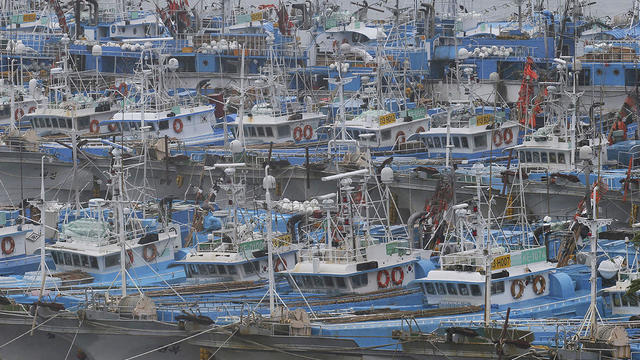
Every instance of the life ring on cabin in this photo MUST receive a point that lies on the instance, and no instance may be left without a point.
(179, 180)
(113, 127)
(308, 132)
(297, 133)
(357, 197)
(517, 288)
(497, 138)
(384, 284)
(18, 113)
(539, 285)
(281, 265)
(335, 45)
(177, 126)
(400, 137)
(148, 257)
(32, 110)
(507, 135)
(397, 279)
(94, 126)
(419, 130)
(8, 245)
(130, 254)
(123, 89)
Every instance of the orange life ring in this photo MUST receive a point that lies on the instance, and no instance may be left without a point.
(400, 137)
(497, 138)
(335, 44)
(8, 245)
(94, 126)
(297, 133)
(357, 197)
(419, 130)
(539, 284)
(384, 284)
(113, 127)
(18, 113)
(145, 254)
(130, 254)
(281, 265)
(177, 126)
(308, 132)
(123, 89)
(517, 293)
(32, 110)
(507, 135)
(397, 280)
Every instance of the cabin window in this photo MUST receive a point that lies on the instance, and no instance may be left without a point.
(528, 156)
(252, 130)
(463, 289)
(260, 130)
(68, 123)
(451, 289)
(386, 134)
(94, 262)
(552, 158)
(616, 300)
(328, 281)
(430, 289)
(480, 141)
(440, 289)
(429, 142)
(202, 269)
(560, 158)
(625, 301)
(465, 142)
(212, 269)
(193, 269)
(341, 283)
(475, 290)
(360, 280)
(269, 131)
(189, 118)
(317, 282)
(633, 300)
(456, 141)
(135, 125)
(497, 287)
(306, 281)
(232, 270)
(163, 125)
(83, 123)
(84, 259)
(444, 141)
(48, 124)
(543, 157)
(112, 260)
(222, 270)
(249, 267)
(436, 142)
(283, 131)
(76, 260)
(67, 259)
(55, 256)
(536, 157)
(632, 77)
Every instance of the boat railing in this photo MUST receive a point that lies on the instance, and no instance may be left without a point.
(632, 156)
(333, 255)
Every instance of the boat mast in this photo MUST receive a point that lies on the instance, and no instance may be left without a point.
(43, 215)
(120, 225)
(269, 183)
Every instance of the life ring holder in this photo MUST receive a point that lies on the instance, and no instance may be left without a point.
(497, 138)
(32, 110)
(113, 127)
(19, 113)
(281, 265)
(177, 126)
(507, 136)
(539, 285)
(517, 288)
(145, 252)
(387, 278)
(297, 133)
(308, 132)
(397, 279)
(94, 126)
(8, 245)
